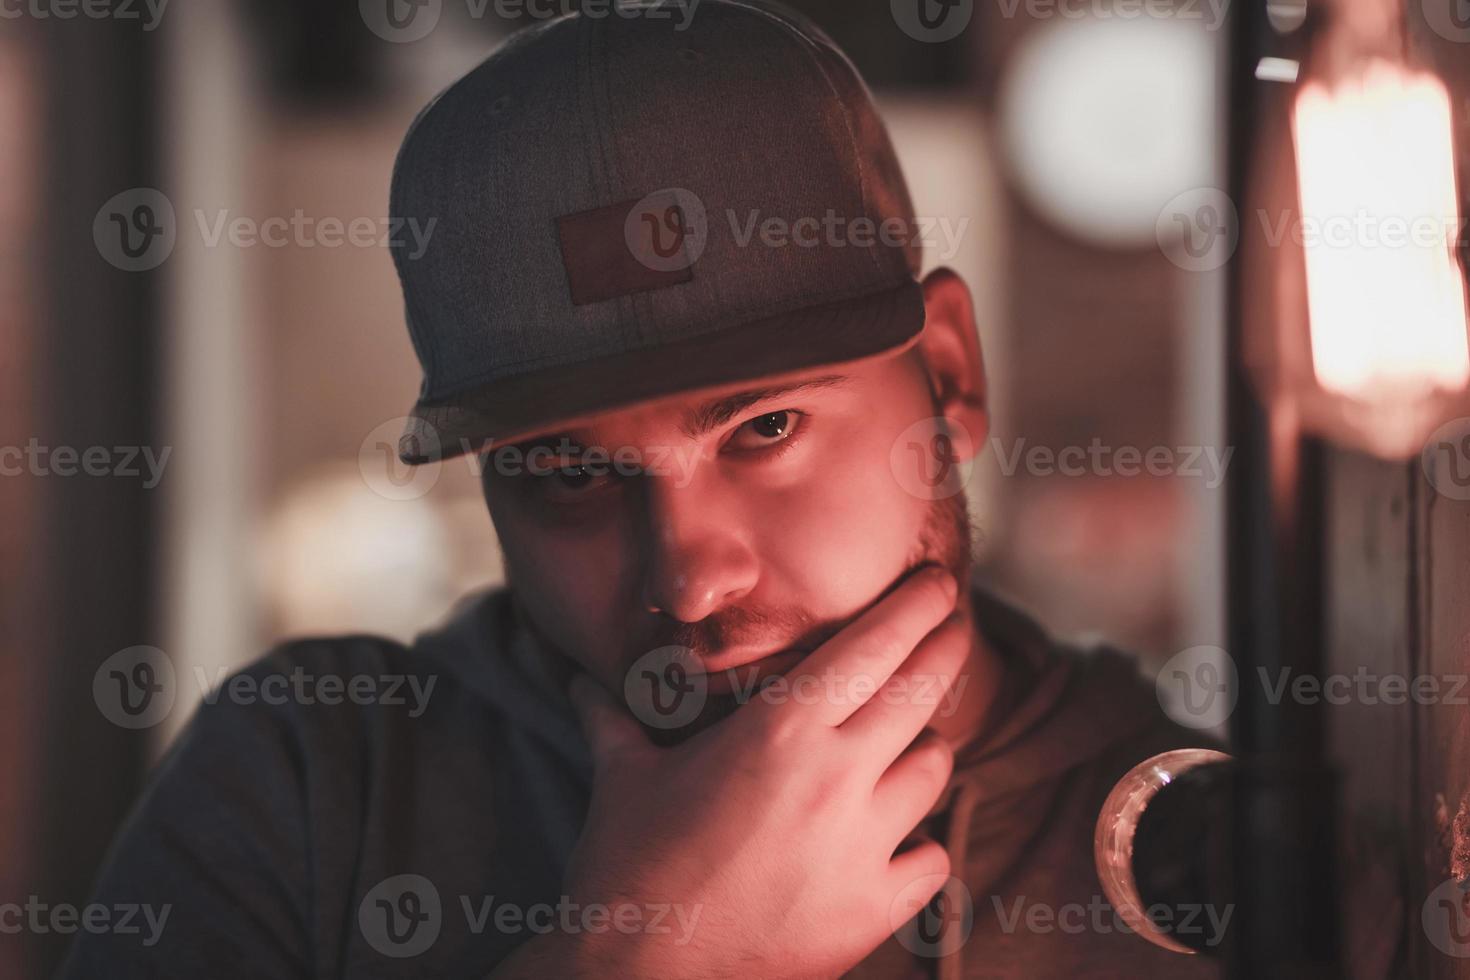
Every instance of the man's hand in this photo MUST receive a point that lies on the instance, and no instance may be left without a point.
(778, 826)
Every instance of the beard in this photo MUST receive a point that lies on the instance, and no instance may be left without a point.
(945, 539)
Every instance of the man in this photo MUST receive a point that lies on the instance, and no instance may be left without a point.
(739, 711)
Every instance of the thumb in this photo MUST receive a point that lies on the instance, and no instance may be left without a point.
(609, 728)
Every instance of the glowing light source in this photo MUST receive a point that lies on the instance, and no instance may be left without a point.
(1379, 209)
(1103, 121)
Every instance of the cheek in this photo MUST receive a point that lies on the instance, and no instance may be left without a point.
(847, 532)
(572, 586)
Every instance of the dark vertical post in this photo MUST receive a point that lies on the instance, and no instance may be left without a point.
(1282, 874)
(95, 385)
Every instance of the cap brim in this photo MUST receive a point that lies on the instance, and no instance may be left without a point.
(529, 404)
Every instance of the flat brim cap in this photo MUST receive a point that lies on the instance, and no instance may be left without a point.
(537, 402)
(620, 209)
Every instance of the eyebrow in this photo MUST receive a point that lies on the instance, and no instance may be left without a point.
(713, 414)
(695, 422)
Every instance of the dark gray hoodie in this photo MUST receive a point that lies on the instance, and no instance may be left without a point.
(425, 834)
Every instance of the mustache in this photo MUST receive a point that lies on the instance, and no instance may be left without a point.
(774, 629)
(944, 540)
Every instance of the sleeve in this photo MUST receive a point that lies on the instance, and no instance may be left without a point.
(213, 861)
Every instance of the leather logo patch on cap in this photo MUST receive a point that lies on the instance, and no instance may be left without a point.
(632, 246)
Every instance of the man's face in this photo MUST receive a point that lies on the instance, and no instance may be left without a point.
(758, 524)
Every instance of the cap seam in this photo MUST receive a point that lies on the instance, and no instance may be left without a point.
(810, 46)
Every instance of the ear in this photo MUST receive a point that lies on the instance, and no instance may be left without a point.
(949, 348)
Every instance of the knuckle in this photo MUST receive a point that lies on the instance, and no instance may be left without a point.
(827, 788)
(885, 641)
(938, 595)
(778, 731)
(940, 861)
(935, 596)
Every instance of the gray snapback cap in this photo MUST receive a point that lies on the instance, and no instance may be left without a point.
(599, 188)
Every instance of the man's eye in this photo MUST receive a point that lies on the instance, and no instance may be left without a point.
(766, 430)
(573, 481)
(575, 477)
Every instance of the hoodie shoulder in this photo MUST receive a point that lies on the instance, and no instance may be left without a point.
(303, 781)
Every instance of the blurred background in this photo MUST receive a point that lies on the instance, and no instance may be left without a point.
(246, 388)
(1041, 146)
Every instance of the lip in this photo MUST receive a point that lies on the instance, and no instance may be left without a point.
(732, 670)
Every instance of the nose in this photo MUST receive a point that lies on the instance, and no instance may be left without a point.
(698, 557)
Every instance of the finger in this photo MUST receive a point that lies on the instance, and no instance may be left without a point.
(610, 730)
(914, 877)
(912, 785)
(908, 700)
(873, 645)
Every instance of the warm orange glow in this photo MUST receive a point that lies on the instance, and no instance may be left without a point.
(1380, 215)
